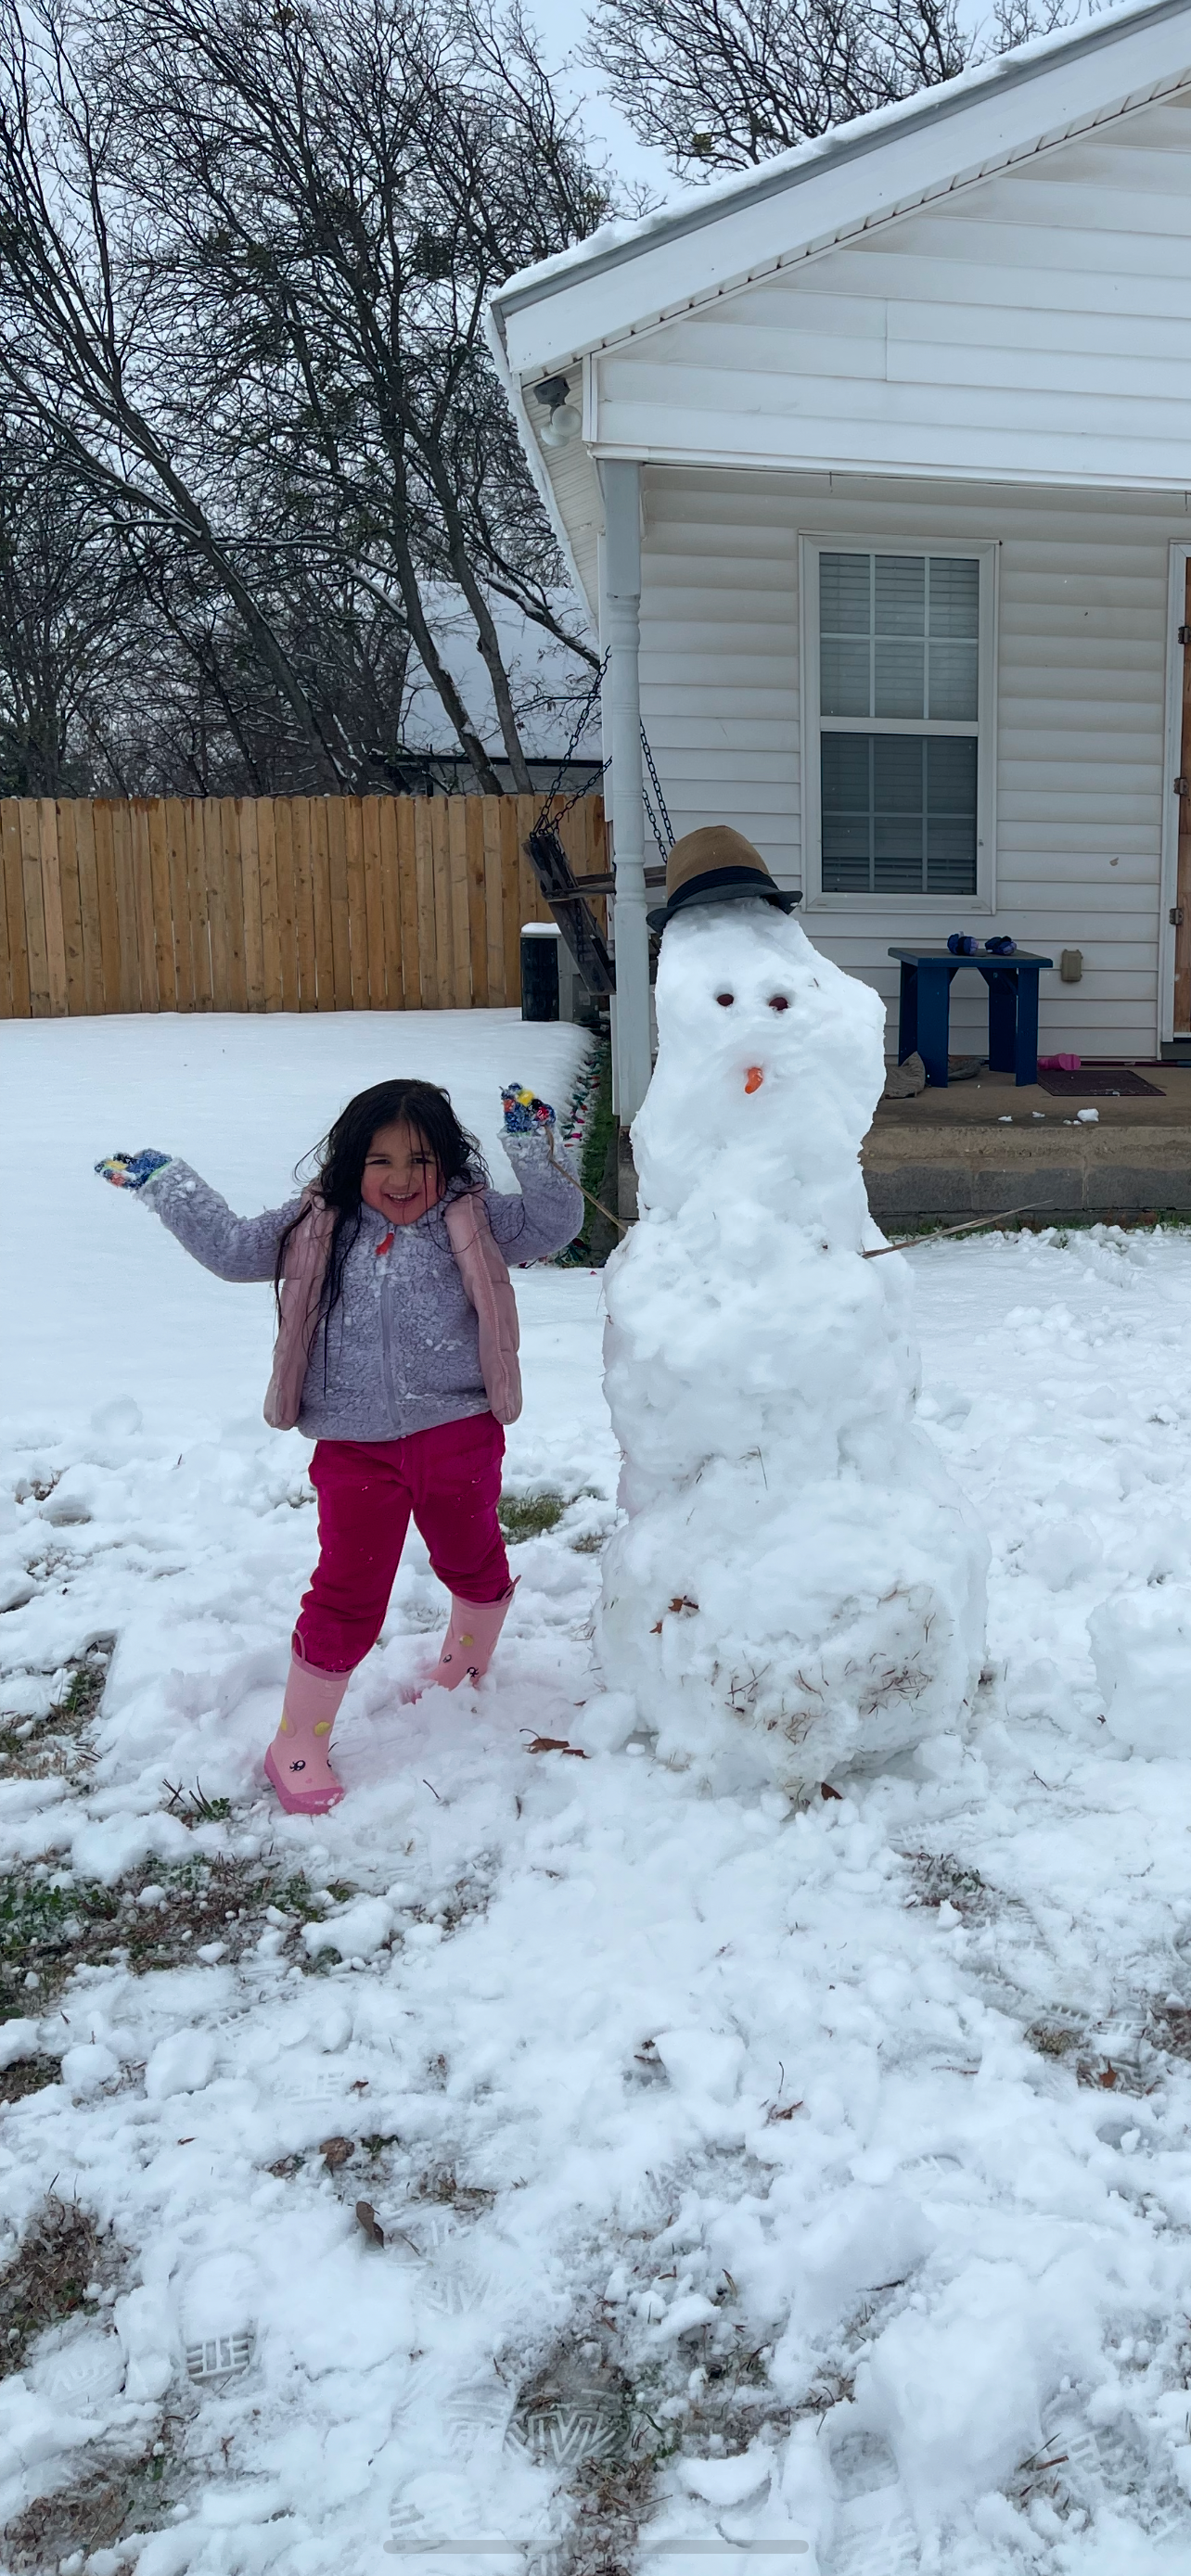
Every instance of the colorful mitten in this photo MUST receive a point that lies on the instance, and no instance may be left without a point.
(523, 1111)
(131, 1171)
(962, 944)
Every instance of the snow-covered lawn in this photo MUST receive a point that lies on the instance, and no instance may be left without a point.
(817, 2183)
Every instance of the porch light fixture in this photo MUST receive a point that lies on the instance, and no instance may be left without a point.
(564, 422)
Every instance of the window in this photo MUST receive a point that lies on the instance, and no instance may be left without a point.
(897, 696)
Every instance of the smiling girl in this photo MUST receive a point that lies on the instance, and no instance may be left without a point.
(397, 1353)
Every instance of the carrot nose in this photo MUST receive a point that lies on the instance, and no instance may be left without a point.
(753, 1078)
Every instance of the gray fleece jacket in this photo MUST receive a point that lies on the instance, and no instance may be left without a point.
(401, 1352)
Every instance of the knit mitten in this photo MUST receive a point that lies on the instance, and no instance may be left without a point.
(523, 1111)
(131, 1171)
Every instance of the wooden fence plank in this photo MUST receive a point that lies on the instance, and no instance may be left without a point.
(233, 877)
(200, 923)
(39, 972)
(109, 911)
(266, 859)
(215, 899)
(16, 941)
(173, 871)
(335, 814)
(376, 981)
(161, 903)
(140, 862)
(302, 813)
(493, 902)
(510, 879)
(407, 903)
(357, 914)
(320, 877)
(477, 927)
(250, 878)
(444, 917)
(429, 996)
(82, 827)
(389, 898)
(51, 888)
(72, 917)
(126, 915)
(287, 922)
(460, 929)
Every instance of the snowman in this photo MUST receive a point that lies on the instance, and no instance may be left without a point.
(797, 1587)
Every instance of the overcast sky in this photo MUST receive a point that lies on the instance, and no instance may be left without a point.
(562, 25)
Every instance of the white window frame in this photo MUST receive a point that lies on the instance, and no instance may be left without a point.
(906, 909)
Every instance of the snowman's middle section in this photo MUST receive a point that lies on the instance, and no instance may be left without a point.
(798, 1585)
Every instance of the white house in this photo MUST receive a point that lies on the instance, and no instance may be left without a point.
(887, 448)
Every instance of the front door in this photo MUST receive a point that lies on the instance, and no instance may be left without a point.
(1182, 936)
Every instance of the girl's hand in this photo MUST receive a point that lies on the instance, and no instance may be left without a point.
(523, 1111)
(131, 1171)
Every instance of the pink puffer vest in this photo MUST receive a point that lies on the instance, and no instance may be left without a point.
(485, 1275)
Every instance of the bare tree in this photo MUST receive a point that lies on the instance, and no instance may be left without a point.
(244, 254)
(77, 339)
(335, 192)
(64, 599)
(724, 84)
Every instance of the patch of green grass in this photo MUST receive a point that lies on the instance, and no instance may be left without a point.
(48, 1931)
(194, 1807)
(529, 1515)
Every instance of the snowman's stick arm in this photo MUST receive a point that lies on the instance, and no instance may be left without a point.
(912, 1241)
(596, 1203)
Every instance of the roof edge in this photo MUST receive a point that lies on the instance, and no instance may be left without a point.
(850, 142)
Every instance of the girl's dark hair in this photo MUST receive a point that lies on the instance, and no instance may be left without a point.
(339, 1165)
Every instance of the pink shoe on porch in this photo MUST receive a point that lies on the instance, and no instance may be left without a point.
(470, 1641)
(296, 1763)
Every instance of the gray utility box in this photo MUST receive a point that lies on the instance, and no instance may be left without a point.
(552, 987)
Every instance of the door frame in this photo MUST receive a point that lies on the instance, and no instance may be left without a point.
(1174, 943)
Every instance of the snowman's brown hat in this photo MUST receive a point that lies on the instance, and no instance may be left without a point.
(715, 865)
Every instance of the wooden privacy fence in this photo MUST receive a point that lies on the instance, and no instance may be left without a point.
(275, 903)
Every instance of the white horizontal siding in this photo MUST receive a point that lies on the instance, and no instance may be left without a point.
(1081, 681)
(1035, 325)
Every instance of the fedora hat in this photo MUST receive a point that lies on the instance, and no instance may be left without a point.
(715, 865)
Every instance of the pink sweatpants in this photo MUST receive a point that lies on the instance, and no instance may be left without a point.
(449, 1480)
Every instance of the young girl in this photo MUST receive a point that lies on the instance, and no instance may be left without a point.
(397, 1353)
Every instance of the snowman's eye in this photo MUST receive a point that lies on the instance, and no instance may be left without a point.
(725, 1000)
(779, 1002)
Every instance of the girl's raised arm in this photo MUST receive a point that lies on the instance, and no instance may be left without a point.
(234, 1247)
(548, 1210)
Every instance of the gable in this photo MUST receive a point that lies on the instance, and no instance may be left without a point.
(1035, 324)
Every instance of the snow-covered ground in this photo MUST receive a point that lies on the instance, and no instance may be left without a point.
(815, 2184)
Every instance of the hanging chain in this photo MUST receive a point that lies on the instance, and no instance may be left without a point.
(665, 846)
(659, 821)
(547, 816)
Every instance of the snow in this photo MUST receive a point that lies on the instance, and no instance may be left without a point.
(799, 1586)
(856, 2136)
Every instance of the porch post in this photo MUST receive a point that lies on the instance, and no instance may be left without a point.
(621, 607)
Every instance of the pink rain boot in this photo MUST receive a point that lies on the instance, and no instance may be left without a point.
(296, 1763)
(470, 1641)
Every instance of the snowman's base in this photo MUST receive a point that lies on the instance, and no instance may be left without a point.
(840, 1630)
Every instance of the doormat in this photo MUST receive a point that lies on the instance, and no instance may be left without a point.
(1103, 1083)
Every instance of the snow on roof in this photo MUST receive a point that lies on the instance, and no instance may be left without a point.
(1004, 83)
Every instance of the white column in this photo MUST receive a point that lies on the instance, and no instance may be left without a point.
(621, 612)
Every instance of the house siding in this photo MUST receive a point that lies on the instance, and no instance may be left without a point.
(1034, 324)
(1081, 679)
